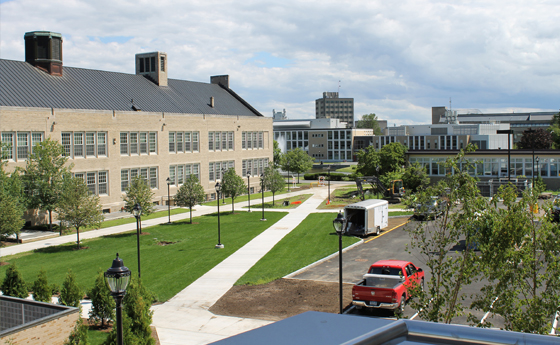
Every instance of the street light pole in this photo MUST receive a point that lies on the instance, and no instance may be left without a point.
(218, 190)
(329, 183)
(249, 191)
(137, 212)
(262, 195)
(288, 167)
(168, 202)
(339, 225)
(117, 277)
(223, 195)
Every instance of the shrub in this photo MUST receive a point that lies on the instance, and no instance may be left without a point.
(102, 303)
(42, 292)
(14, 285)
(136, 305)
(71, 294)
(79, 335)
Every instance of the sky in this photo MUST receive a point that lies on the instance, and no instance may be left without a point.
(397, 59)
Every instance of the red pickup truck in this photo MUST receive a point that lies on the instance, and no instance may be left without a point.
(386, 284)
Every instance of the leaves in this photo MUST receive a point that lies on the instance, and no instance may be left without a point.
(190, 193)
(370, 121)
(138, 192)
(232, 185)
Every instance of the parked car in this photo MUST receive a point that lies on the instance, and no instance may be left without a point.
(387, 284)
(430, 209)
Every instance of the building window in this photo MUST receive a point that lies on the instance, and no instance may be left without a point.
(162, 64)
(96, 181)
(84, 144)
(20, 144)
(216, 169)
(135, 143)
(180, 142)
(178, 174)
(149, 175)
(255, 167)
(220, 141)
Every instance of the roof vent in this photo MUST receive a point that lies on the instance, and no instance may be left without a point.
(43, 49)
(153, 66)
(211, 102)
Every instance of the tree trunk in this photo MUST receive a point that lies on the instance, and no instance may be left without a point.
(78, 234)
(272, 199)
(191, 213)
(232, 209)
(50, 223)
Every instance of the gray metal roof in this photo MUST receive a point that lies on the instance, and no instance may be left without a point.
(22, 85)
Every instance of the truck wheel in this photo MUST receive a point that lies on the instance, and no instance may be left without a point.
(402, 304)
(377, 231)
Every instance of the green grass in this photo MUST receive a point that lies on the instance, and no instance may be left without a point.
(349, 169)
(166, 270)
(278, 202)
(310, 241)
(95, 336)
(401, 213)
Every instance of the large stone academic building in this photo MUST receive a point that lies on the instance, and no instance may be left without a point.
(115, 126)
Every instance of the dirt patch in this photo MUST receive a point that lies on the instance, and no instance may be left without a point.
(4, 263)
(165, 243)
(281, 298)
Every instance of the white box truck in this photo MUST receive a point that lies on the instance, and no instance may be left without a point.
(366, 217)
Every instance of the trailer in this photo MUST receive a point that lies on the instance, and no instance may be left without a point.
(366, 217)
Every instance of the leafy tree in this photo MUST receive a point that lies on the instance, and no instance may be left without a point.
(273, 181)
(138, 192)
(14, 285)
(232, 186)
(190, 193)
(11, 214)
(70, 294)
(79, 335)
(42, 291)
(44, 174)
(78, 207)
(277, 155)
(136, 305)
(102, 303)
(391, 157)
(450, 270)
(415, 178)
(299, 161)
(368, 162)
(554, 130)
(535, 139)
(370, 121)
(128, 336)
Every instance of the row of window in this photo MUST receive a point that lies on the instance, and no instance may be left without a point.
(220, 141)
(178, 174)
(217, 169)
(96, 181)
(136, 143)
(419, 142)
(18, 145)
(253, 167)
(84, 144)
(252, 140)
(181, 142)
(149, 174)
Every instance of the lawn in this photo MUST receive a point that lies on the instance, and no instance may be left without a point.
(278, 202)
(172, 256)
(310, 241)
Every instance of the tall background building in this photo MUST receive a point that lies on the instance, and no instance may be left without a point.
(333, 107)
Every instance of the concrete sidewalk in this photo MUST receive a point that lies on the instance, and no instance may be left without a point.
(185, 318)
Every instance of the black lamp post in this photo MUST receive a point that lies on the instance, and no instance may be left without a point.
(137, 212)
(249, 191)
(168, 202)
(509, 132)
(262, 194)
(218, 191)
(117, 277)
(288, 167)
(339, 226)
(329, 183)
(223, 196)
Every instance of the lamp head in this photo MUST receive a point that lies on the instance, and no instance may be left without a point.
(117, 276)
(137, 210)
(339, 223)
(218, 187)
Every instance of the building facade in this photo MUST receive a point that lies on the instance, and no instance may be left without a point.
(333, 107)
(116, 126)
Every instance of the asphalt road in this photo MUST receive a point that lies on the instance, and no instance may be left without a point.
(390, 244)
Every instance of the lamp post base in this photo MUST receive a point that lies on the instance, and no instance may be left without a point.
(263, 219)
(219, 246)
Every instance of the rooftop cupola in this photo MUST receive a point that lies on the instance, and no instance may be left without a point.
(43, 49)
(153, 66)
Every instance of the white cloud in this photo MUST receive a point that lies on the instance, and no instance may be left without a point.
(397, 59)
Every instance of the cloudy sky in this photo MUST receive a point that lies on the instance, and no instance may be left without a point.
(395, 58)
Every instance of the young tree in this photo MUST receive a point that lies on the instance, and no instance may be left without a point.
(299, 161)
(273, 181)
(45, 171)
(42, 291)
(277, 155)
(554, 129)
(232, 186)
(102, 303)
(14, 285)
(70, 294)
(369, 121)
(136, 305)
(190, 193)
(138, 192)
(78, 207)
(415, 178)
(11, 214)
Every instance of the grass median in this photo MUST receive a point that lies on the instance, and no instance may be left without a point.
(172, 256)
(310, 241)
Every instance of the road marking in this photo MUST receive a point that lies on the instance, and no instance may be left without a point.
(387, 231)
(555, 323)
(488, 313)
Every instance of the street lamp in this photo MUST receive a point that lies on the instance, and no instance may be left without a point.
(329, 183)
(218, 191)
(339, 225)
(168, 202)
(249, 190)
(117, 277)
(137, 212)
(288, 167)
(509, 132)
(262, 194)
(223, 196)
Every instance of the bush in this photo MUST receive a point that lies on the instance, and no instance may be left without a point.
(102, 303)
(136, 305)
(14, 285)
(79, 335)
(334, 176)
(42, 292)
(71, 294)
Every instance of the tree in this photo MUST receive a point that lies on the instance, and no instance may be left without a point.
(190, 193)
(415, 178)
(136, 305)
(535, 139)
(42, 292)
(391, 157)
(554, 129)
(14, 285)
(368, 162)
(370, 121)
(297, 161)
(232, 186)
(273, 181)
(11, 214)
(102, 303)
(79, 335)
(70, 294)
(277, 155)
(78, 207)
(45, 171)
(138, 192)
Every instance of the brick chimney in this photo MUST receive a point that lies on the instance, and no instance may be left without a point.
(43, 49)
(153, 66)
